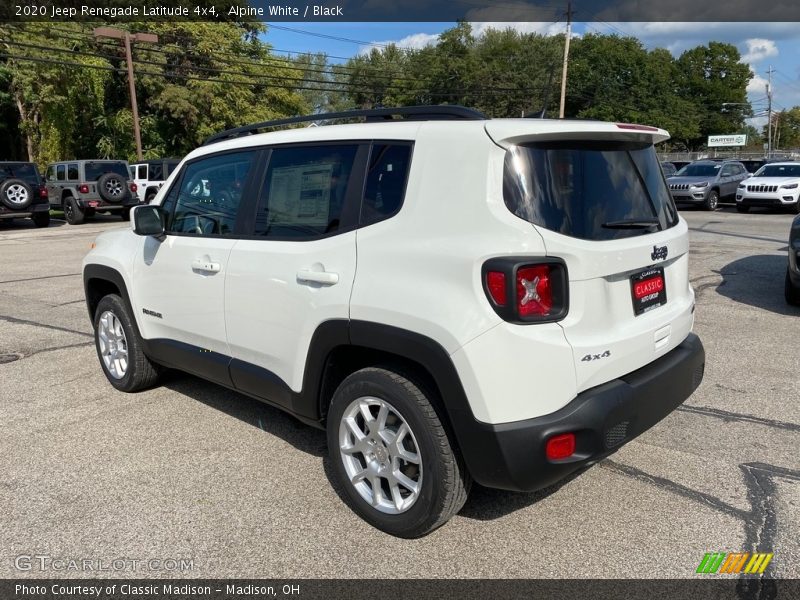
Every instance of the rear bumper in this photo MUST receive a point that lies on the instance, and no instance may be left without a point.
(512, 455)
(98, 204)
(7, 213)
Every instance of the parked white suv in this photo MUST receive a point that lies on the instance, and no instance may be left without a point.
(454, 298)
(775, 184)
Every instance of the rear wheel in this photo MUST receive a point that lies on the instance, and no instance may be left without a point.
(149, 197)
(742, 209)
(712, 200)
(119, 347)
(391, 454)
(41, 219)
(73, 213)
(791, 292)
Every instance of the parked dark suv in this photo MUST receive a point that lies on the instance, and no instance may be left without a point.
(82, 187)
(22, 193)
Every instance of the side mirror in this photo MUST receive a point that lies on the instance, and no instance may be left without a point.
(148, 219)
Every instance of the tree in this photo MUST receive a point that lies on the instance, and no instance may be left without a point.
(711, 76)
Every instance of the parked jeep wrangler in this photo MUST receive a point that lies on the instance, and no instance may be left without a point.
(452, 298)
(83, 187)
(150, 175)
(23, 194)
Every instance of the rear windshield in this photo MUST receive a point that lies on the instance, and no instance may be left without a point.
(779, 171)
(699, 170)
(589, 190)
(93, 170)
(25, 171)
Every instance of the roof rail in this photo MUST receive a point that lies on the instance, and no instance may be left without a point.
(415, 113)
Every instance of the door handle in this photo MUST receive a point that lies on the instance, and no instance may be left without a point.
(323, 277)
(206, 265)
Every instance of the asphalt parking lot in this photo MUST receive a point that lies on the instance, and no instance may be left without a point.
(191, 470)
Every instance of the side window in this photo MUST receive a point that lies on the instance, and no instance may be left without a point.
(154, 172)
(304, 191)
(205, 201)
(60, 172)
(727, 171)
(51, 173)
(72, 172)
(142, 172)
(386, 181)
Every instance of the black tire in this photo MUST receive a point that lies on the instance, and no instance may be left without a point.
(742, 209)
(148, 198)
(795, 208)
(73, 214)
(140, 372)
(16, 194)
(41, 219)
(791, 293)
(125, 213)
(711, 201)
(444, 483)
(112, 187)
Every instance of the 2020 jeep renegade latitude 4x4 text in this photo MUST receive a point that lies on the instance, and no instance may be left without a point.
(453, 298)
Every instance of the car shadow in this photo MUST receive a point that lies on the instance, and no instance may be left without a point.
(248, 410)
(757, 281)
(483, 504)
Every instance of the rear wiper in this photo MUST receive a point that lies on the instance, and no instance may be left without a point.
(633, 224)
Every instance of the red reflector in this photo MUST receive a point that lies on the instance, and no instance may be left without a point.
(648, 286)
(134, 187)
(636, 127)
(534, 291)
(496, 284)
(560, 446)
(84, 189)
(43, 192)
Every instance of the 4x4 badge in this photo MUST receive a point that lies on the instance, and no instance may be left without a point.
(659, 253)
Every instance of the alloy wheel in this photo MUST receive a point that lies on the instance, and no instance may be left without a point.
(113, 344)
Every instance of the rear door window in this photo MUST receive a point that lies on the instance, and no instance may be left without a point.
(588, 190)
(72, 172)
(304, 191)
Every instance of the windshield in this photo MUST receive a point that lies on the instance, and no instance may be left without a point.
(698, 171)
(94, 169)
(580, 188)
(779, 171)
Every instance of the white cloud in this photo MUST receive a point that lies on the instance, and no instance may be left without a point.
(417, 41)
(758, 49)
(757, 86)
(414, 41)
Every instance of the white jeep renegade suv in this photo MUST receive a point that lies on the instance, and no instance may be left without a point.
(453, 298)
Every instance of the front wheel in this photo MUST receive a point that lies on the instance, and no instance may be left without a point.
(119, 347)
(391, 454)
(791, 292)
(712, 201)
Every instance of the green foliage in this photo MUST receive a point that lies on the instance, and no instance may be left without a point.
(201, 78)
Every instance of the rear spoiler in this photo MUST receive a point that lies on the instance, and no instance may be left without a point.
(509, 132)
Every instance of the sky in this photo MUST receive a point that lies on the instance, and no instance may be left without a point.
(761, 44)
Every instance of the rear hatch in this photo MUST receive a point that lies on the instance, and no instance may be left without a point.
(596, 194)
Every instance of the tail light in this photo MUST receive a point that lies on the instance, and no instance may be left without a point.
(527, 290)
(83, 188)
(134, 187)
(42, 191)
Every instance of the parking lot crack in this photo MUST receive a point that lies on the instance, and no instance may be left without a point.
(739, 417)
(8, 319)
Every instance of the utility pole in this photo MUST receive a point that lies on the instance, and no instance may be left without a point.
(110, 32)
(566, 60)
(769, 111)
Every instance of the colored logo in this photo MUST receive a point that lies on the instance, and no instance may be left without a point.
(734, 562)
